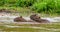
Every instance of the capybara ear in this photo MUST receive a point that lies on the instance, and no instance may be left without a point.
(20, 16)
(39, 17)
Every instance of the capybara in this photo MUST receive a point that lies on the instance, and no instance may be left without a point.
(19, 19)
(42, 21)
(36, 18)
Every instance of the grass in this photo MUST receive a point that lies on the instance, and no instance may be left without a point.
(22, 11)
(26, 11)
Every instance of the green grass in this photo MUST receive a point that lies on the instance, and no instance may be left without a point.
(46, 6)
(26, 11)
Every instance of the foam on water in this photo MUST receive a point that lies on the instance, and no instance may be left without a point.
(55, 19)
(7, 19)
(27, 18)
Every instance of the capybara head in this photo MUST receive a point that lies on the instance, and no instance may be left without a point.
(19, 19)
(34, 17)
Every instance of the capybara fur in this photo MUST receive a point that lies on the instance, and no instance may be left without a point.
(36, 18)
(19, 19)
(42, 21)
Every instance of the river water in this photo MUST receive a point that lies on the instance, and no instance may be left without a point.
(9, 18)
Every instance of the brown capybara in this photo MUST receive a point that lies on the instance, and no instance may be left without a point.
(19, 19)
(42, 21)
(36, 18)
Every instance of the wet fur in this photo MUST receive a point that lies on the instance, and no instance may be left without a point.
(19, 19)
(36, 18)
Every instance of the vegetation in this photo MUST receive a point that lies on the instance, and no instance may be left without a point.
(39, 6)
(27, 6)
(48, 6)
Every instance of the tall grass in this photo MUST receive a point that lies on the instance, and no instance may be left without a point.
(47, 6)
(20, 3)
